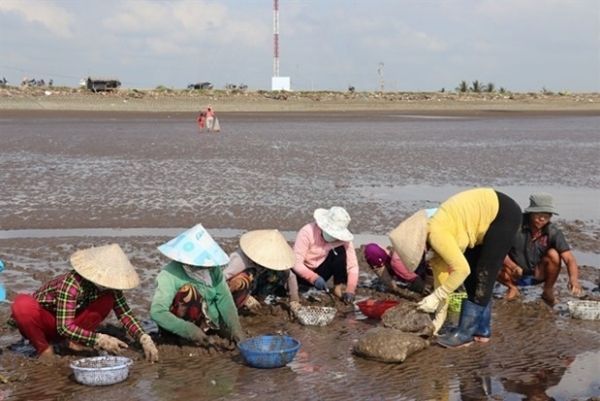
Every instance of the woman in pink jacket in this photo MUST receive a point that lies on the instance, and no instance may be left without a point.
(388, 266)
(324, 249)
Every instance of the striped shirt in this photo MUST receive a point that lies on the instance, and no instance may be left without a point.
(69, 293)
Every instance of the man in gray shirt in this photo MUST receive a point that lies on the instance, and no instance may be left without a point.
(538, 250)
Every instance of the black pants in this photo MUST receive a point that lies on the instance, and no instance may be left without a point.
(333, 265)
(485, 260)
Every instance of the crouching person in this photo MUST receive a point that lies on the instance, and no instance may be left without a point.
(70, 307)
(261, 267)
(191, 295)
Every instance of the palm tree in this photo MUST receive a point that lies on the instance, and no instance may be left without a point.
(477, 86)
(463, 87)
(490, 87)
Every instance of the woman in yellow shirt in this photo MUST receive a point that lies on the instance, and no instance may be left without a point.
(469, 237)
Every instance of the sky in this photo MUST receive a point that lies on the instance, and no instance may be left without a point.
(397, 45)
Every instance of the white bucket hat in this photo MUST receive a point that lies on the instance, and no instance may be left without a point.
(195, 247)
(268, 248)
(107, 266)
(334, 222)
(408, 239)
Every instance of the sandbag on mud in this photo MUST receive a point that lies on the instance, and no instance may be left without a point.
(388, 345)
(405, 317)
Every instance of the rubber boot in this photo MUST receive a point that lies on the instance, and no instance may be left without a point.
(483, 333)
(470, 317)
(385, 278)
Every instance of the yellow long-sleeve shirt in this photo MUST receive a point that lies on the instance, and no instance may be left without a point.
(460, 223)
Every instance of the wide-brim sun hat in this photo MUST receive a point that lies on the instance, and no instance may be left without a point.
(541, 203)
(195, 247)
(334, 222)
(268, 248)
(408, 239)
(106, 266)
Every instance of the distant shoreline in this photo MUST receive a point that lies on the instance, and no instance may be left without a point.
(15, 101)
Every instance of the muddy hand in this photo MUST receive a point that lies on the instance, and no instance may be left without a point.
(575, 289)
(111, 344)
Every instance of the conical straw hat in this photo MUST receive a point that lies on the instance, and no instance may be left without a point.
(107, 266)
(408, 239)
(268, 248)
(195, 247)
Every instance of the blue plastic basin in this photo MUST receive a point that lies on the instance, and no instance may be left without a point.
(267, 352)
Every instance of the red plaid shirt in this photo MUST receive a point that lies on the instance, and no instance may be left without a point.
(67, 294)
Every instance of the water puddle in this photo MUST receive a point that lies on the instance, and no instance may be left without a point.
(573, 203)
(583, 258)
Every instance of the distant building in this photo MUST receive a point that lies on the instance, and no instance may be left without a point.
(280, 84)
(102, 84)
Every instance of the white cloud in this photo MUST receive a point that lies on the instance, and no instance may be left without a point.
(55, 19)
(178, 25)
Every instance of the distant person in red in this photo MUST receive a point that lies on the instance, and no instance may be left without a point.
(210, 118)
(201, 120)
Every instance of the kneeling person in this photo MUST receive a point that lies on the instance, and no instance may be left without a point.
(191, 295)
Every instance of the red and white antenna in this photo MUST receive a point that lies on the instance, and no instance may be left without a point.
(275, 38)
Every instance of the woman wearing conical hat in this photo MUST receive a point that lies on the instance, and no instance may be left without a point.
(324, 249)
(261, 267)
(191, 296)
(71, 306)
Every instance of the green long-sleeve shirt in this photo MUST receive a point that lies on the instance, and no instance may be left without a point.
(221, 306)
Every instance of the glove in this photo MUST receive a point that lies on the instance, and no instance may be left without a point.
(200, 338)
(110, 344)
(320, 284)
(432, 301)
(150, 351)
(440, 316)
(237, 336)
(348, 298)
(417, 285)
(251, 303)
(295, 307)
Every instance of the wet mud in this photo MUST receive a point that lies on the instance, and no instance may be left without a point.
(147, 171)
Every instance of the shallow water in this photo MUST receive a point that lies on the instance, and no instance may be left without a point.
(70, 182)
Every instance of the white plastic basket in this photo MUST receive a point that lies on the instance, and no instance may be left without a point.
(585, 310)
(315, 315)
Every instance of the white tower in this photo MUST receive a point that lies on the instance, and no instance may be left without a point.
(276, 38)
(277, 83)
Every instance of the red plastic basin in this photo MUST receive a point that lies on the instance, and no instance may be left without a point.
(374, 309)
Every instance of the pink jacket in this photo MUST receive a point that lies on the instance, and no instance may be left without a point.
(311, 250)
(398, 269)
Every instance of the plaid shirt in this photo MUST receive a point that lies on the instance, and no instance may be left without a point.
(69, 293)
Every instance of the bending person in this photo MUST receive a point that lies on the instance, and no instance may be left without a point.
(261, 267)
(388, 266)
(470, 235)
(324, 249)
(71, 306)
(191, 295)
